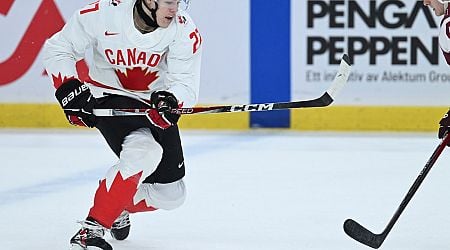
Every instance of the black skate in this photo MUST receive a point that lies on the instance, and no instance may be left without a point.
(90, 236)
(121, 226)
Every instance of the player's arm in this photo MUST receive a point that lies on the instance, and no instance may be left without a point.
(183, 77)
(184, 62)
(60, 54)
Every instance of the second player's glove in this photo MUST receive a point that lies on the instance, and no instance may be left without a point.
(444, 125)
(160, 116)
(75, 95)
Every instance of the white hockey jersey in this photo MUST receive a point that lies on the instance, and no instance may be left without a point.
(125, 61)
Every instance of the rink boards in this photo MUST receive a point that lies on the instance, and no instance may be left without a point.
(399, 80)
(334, 118)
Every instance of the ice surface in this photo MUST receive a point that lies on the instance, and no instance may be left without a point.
(246, 190)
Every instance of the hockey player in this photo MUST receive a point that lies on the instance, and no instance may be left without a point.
(441, 8)
(144, 53)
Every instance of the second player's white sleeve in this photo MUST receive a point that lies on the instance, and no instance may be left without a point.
(444, 38)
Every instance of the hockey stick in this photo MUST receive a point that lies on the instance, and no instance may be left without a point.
(325, 100)
(364, 236)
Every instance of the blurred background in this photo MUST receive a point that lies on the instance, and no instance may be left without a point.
(264, 51)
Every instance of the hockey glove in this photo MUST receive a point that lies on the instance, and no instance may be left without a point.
(75, 95)
(160, 116)
(444, 125)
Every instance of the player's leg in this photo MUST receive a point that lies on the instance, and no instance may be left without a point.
(139, 155)
(149, 197)
(163, 189)
(139, 158)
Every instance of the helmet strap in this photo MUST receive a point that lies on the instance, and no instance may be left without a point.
(149, 21)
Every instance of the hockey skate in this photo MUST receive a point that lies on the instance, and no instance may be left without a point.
(89, 236)
(121, 226)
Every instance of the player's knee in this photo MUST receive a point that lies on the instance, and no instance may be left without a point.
(140, 152)
(163, 196)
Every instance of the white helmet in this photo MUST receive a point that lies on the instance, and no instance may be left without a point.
(182, 4)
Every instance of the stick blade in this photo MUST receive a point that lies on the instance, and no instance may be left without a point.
(329, 96)
(362, 235)
(341, 77)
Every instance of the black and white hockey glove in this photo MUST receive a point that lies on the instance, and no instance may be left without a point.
(444, 125)
(75, 95)
(160, 116)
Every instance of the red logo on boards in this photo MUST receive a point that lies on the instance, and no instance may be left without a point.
(46, 21)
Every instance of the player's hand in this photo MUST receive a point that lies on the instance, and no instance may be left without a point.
(75, 95)
(161, 116)
(444, 126)
(436, 5)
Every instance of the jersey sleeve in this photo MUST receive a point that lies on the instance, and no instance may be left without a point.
(444, 36)
(184, 62)
(65, 48)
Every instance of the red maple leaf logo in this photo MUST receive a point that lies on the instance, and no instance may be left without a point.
(115, 195)
(137, 79)
(59, 80)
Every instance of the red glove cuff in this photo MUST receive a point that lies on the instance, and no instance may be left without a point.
(75, 120)
(158, 120)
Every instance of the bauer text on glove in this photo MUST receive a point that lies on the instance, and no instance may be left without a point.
(77, 101)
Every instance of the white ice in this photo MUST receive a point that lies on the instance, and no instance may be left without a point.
(246, 190)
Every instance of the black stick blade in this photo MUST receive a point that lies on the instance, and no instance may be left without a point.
(361, 234)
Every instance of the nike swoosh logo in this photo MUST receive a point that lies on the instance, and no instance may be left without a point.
(110, 33)
(181, 164)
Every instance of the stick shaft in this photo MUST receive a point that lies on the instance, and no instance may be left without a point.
(325, 100)
(322, 101)
(415, 186)
(361, 234)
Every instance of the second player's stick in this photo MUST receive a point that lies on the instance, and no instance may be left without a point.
(325, 100)
(361, 234)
